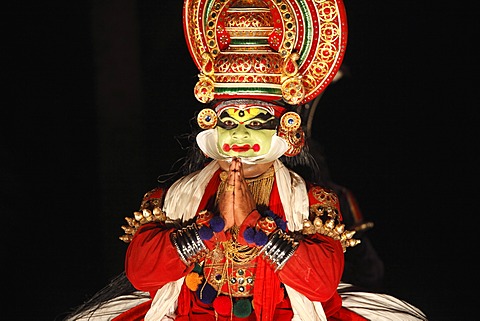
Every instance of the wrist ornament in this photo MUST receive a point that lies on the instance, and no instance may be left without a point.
(279, 249)
(189, 246)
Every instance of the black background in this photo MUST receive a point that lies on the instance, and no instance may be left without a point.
(95, 92)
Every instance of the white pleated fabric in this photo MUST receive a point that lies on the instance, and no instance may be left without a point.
(303, 308)
(378, 306)
(373, 306)
(165, 301)
(184, 196)
(293, 194)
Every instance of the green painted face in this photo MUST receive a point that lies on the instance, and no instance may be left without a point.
(245, 132)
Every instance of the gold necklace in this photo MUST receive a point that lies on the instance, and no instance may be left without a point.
(260, 186)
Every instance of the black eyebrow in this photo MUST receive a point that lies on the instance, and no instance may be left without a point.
(223, 114)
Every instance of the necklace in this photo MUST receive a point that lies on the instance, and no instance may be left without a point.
(260, 186)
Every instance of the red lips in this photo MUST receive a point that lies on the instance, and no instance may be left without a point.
(240, 149)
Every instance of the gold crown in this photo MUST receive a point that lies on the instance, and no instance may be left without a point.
(265, 49)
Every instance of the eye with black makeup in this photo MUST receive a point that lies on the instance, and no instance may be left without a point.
(227, 123)
(261, 121)
(255, 124)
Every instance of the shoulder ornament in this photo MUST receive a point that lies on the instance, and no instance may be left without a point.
(325, 217)
(150, 211)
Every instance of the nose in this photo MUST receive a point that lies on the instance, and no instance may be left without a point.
(240, 133)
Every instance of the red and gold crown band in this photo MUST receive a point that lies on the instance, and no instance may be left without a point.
(271, 50)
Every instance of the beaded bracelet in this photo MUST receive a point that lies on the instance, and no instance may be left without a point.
(188, 244)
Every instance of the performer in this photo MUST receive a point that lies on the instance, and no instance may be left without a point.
(241, 235)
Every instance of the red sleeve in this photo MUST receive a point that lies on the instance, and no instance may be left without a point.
(317, 265)
(315, 268)
(151, 259)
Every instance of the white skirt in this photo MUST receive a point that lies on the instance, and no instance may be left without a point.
(372, 306)
(378, 306)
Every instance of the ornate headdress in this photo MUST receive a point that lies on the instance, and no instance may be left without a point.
(278, 51)
(265, 49)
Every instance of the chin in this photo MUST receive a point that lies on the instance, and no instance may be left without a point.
(254, 170)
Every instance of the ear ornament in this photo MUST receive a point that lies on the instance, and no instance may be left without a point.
(207, 118)
(291, 131)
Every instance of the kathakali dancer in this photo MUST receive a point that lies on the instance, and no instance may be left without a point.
(242, 236)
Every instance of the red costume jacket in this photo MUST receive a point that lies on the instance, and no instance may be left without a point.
(314, 270)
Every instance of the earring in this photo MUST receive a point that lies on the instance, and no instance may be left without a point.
(207, 118)
(292, 133)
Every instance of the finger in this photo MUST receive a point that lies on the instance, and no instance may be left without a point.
(240, 167)
(232, 165)
(230, 182)
(237, 163)
(239, 179)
